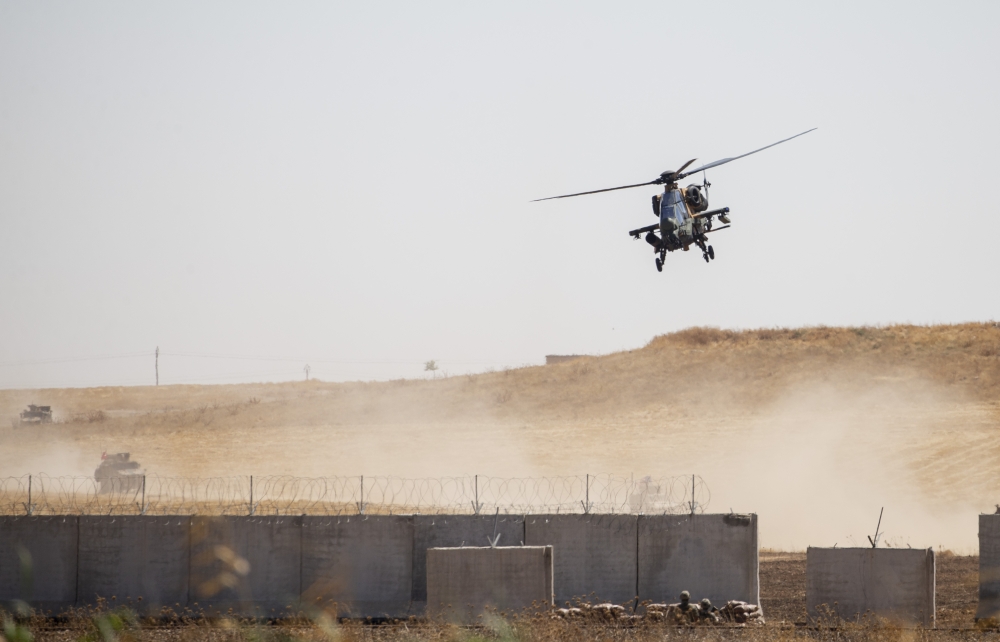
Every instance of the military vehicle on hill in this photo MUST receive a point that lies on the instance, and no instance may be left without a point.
(118, 474)
(36, 415)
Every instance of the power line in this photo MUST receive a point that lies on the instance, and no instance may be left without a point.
(232, 377)
(314, 360)
(254, 377)
(72, 359)
(279, 376)
(237, 357)
(242, 357)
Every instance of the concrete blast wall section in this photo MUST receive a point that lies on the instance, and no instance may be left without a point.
(252, 565)
(38, 561)
(595, 555)
(617, 558)
(462, 583)
(370, 566)
(450, 531)
(893, 583)
(363, 564)
(133, 556)
(989, 567)
(713, 556)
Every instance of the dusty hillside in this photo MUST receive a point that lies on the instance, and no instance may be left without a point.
(837, 421)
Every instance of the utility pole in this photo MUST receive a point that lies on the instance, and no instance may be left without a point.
(157, 365)
(693, 503)
(307, 371)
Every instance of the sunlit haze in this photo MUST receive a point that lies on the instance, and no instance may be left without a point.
(347, 185)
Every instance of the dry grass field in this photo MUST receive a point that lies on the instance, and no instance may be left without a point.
(815, 429)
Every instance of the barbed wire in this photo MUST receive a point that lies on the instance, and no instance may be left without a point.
(286, 495)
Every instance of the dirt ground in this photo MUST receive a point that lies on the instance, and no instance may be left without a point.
(782, 583)
(783, 588)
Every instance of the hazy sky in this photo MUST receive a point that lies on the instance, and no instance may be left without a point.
(348, 185)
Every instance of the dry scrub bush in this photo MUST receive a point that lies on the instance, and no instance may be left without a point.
(91, 417)
(106, 622)
(237, 630)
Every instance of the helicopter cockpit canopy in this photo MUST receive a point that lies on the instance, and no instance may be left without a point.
(672, 206)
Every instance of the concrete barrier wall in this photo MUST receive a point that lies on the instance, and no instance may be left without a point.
(363, 563)
(372, 566)
(250, 564)
(897, 584)
(989, 567)
(462, 583)
(448, 531)
(135, 556)
(713, 556)
(595, 555)
(49, 546)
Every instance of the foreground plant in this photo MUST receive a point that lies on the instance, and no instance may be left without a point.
(13, 630)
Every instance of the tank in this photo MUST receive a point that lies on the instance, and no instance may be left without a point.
(118, 474)
(36, 415)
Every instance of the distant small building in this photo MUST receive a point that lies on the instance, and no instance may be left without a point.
(551, 359)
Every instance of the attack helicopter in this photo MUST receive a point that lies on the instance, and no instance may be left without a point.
(685, 219)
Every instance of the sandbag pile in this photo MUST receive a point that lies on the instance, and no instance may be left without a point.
(691, 614)
(657, 612)
(606, 612)
(741, 613)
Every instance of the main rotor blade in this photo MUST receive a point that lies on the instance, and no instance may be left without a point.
(684, 166)
(598, 191)
(723, 161)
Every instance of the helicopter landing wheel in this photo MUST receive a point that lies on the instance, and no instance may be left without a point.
(659, 265)
(711, 253)
(704, 255)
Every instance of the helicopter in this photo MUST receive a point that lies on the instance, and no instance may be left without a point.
(685, 219)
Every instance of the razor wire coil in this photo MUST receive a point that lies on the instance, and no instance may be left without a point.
(381, 495)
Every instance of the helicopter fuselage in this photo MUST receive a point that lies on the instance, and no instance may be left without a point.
(678, 227)
(685, 220)
(684, 217)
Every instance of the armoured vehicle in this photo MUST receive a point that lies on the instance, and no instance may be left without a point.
(36, 415)
(118, 474)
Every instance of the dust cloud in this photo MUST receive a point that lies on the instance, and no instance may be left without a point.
(815, 430)
(820, 464)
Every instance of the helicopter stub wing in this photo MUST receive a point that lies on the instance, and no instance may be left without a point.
(710, 213)
(642, 230)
